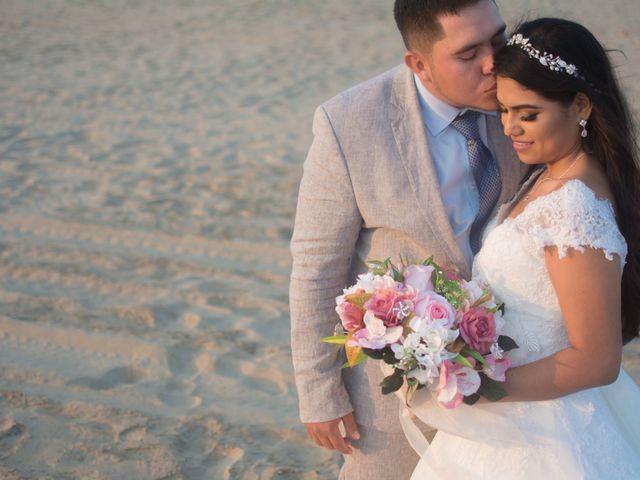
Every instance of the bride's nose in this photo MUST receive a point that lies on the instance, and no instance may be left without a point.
(510, 125)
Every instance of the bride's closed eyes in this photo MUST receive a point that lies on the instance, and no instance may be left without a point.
(524, 117)
(531, 117)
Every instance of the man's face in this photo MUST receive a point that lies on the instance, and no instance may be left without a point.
(458, 68)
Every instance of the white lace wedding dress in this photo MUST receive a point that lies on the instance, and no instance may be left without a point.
(592, 434)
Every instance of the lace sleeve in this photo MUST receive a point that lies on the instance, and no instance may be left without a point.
(574, 217)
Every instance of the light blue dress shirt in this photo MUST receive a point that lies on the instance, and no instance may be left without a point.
(448, 149)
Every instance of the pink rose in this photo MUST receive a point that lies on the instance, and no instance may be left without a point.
(478, 329)
(497, 368)
(384, 305)
(435, 308)
(381, 304)
(350, 316)
(419, 277)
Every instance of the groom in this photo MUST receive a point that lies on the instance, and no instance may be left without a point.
(395, 168)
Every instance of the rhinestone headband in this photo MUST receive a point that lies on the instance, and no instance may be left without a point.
(547, 59)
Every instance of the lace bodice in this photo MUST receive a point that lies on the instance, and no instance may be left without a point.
(590, 434)
(512, 261)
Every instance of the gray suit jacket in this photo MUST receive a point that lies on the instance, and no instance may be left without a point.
(369, 191)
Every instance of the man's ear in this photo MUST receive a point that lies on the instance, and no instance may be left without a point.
(419, 65)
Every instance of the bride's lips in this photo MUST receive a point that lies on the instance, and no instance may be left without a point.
(492, 89)
(520, 146)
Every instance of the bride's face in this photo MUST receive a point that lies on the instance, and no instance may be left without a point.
(542, 130)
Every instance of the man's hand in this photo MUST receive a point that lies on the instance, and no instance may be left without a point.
(327, 434)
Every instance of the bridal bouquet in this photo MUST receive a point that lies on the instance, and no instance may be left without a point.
(435, 330)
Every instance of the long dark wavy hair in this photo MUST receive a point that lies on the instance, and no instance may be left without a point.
(611, 139)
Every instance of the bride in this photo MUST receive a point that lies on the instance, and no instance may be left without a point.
(555, 256)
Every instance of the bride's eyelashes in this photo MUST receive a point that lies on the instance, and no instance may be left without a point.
(529, 117)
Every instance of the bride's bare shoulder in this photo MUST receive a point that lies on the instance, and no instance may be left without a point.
(594, 177)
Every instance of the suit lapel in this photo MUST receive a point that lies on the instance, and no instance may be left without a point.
(508, 163)
(411, 140)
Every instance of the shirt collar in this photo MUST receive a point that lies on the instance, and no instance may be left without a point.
(437, 114)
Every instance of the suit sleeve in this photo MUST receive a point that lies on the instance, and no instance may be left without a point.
(326, 229)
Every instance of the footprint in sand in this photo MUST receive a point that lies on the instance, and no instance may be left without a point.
(267, 379)
(111, 379)
(186, 361)
(13, 435)
(178, 393)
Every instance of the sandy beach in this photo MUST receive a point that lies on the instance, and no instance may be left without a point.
(150, 155)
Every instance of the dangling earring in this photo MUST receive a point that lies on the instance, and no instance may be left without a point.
(583, 124)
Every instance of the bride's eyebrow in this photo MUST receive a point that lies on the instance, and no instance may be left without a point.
(526, 106)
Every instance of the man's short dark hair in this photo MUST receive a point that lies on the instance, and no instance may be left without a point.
(418, 20)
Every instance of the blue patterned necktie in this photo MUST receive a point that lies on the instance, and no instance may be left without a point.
(485, 172)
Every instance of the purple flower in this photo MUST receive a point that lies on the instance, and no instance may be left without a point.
(419, 277)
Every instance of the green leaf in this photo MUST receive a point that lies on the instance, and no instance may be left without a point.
(473, 353)
(390, 359)
(397, 275)
(471, 399)
(429, 261)
(507, 343)
(462, 361)
(412, 386)
(379, 268)
(496, 308)
(393, 382)
(375, 263)
(336, 339)
(375, 354)
(385, 354)
(491, 389)
(405, 261)
(378, 354)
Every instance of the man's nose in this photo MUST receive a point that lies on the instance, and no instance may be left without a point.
(487, 64)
